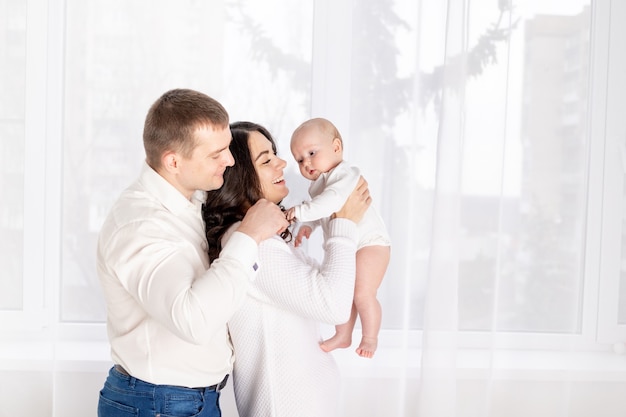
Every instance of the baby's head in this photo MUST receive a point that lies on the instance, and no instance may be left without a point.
(317, 147)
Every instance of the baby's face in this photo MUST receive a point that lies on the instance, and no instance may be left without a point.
(315, 153)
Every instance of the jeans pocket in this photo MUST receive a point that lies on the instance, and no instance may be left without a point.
(110, 408)
(182, 405)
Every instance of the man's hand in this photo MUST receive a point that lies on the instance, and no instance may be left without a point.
(290, 214)
(263, 220)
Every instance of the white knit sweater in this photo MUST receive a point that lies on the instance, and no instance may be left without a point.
(280, 370)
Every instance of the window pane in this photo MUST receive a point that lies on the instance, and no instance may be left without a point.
(387, 140)
(524, 168)
(119, 60)
(12, 87)
(525, 174)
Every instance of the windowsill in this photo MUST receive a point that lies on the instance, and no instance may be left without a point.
(62, 356)
(480, 363)
(389, 363)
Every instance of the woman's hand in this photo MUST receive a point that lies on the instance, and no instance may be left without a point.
(356, 204)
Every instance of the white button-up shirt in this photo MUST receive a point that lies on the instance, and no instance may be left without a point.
(166, 309)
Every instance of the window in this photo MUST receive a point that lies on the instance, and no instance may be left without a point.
(539, 199)
(118, 61)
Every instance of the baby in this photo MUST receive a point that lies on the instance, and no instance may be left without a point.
(317, 147)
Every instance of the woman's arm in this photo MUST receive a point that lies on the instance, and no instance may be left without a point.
(296, 282)
(290, 279)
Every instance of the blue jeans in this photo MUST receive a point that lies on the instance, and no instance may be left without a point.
(124, 396)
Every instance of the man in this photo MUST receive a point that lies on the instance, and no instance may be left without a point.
(166, 309)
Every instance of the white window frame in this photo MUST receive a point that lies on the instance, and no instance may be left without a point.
(34, 314)
(43, 173)
(612, 168)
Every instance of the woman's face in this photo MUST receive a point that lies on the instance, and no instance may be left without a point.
(269, 167)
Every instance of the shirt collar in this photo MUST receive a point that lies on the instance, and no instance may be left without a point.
(167, 194)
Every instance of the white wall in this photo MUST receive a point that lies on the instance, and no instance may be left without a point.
(76, 395)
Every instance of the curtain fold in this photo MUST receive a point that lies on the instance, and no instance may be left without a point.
(437, 396)
(486, 311)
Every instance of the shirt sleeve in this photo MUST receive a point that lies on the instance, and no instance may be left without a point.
(293, 281)
(339, 184)
(167, 276)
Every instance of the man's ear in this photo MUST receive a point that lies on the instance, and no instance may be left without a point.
(169, 161)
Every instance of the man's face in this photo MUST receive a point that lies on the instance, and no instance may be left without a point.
(204, 170)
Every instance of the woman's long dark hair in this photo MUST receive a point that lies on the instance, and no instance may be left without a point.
(241, 190)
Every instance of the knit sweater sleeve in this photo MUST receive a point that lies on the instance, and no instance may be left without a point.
(293, 281)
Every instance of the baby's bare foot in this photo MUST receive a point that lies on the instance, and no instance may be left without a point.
(336, 342)
(367, 348)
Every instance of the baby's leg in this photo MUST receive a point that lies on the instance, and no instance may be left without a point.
(343, 334)
(371, 264)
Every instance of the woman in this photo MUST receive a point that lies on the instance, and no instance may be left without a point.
(280, 369)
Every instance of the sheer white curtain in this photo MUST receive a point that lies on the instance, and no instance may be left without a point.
(490, 132)
(513, 317)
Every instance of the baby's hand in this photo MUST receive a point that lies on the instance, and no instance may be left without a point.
(304, 231)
